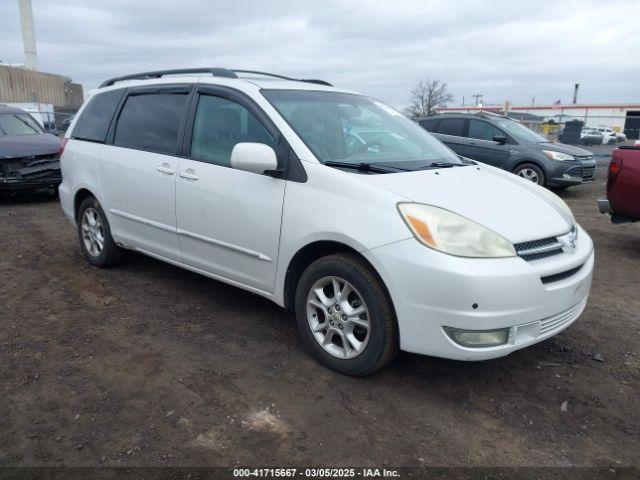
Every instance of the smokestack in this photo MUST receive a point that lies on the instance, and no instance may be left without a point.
(575, 92)
(28, 35)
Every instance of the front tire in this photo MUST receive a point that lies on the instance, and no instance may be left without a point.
(531, 172)
(94, 233)
(345, 316)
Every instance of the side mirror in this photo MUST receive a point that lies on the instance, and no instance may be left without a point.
(254, 158)
(500, 139)
(54, 131)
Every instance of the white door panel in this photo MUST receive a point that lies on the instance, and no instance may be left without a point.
(139, 195)
(229, 222)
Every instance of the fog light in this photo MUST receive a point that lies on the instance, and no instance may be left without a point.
(478, 338)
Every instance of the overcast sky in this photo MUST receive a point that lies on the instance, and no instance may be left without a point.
(512, 50)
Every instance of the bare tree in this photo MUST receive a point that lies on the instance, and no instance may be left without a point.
(427, 96)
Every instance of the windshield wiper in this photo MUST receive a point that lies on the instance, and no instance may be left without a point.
(365, 167)
(467, 161)
(444, 165)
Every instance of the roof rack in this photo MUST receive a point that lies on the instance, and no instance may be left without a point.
(282, 77)
(216, 72)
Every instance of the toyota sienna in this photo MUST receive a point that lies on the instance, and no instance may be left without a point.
(329, 203)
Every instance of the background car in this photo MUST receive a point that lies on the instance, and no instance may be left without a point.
(591, 137)
(29, 157)
(606, 137)
(505, 143)
(608, 132)
(623, 185)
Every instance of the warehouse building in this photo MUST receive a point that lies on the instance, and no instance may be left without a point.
(48, 97)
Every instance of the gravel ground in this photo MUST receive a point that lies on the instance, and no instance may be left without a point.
(148, 364)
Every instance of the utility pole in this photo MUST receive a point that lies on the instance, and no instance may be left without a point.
(575, 92)
(478, 98)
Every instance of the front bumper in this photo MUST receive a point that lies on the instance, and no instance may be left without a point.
(9, 185)
(573, 173)
(432, 290)
(42, 175)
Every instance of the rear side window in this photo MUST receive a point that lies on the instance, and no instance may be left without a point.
(94, 120)
(483, 130)
(451, 126)
(429, 124)
(151, 122)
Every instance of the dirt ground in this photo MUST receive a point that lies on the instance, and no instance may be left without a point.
(148, 364)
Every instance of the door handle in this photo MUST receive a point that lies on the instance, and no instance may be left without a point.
(188, 174)
(164, 168)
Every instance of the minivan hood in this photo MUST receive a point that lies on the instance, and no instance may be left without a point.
(16, 146)
(561, 147)
(501, 201)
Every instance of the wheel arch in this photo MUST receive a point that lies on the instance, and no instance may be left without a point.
(78, 198)
(311, 252)
(523, 161)
(535, 162)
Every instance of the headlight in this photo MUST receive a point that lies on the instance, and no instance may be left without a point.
(563, 157)
(451, 233)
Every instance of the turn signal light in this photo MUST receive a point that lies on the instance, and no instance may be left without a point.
(422, 229)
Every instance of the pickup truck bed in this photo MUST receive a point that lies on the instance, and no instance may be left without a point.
(623, 185)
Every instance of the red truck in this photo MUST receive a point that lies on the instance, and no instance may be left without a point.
(623, 186)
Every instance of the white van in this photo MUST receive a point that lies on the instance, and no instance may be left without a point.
(331, 204)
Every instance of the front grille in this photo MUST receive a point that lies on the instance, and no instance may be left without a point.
(556, 277)
(538, 249)
(588, 173)
(558, 321)
(13, 166)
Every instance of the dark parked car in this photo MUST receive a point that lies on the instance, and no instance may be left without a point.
(505, 143)
(29, 157)
(623, 186)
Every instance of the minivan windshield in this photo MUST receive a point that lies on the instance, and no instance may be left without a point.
(18, 124)
(519, 131)
(347, 130)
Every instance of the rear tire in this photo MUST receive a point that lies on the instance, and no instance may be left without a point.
(94, 234)
(345, 317)
(531, 172)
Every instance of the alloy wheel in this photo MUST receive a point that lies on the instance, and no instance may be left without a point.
(92, 232)
(529, 174)
(338, 317)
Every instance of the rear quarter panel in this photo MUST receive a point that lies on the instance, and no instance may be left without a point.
(79, 170)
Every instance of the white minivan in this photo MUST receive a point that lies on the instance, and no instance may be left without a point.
(331, 204)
